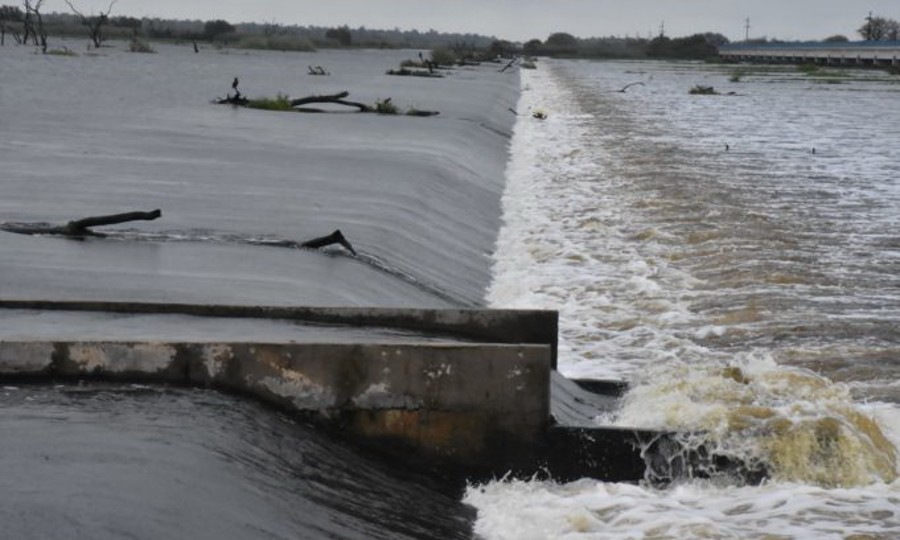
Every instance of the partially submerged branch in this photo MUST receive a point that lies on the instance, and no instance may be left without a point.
(337, 237)
(94, 23)
(337, 99)
(509, 65)
(80, 228)
(406, 72)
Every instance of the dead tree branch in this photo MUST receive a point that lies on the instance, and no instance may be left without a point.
(33, 24)
(80, 228)
(94, 23)
(331, 98)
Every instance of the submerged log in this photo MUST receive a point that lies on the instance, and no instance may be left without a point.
(331, 98)
(415, 73)
(80, 228)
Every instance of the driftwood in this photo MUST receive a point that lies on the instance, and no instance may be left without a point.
(318, 70)
(414, 73)
(331, 98)
(509, 65)
(416, 112)
(80, 228)
(627, 86)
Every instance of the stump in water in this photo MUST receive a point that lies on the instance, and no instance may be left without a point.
(337, 237)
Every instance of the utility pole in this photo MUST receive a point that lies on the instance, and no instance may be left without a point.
(869, 28)
(747, 29)
(662, 29)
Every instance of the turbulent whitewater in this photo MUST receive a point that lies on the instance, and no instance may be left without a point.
(735, 257)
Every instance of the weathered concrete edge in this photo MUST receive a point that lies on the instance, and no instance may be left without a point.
(491, 326)
(475, 408)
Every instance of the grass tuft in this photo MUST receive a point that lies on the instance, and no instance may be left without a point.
(281, 102)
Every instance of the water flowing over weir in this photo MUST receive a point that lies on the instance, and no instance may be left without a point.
(417, 197)
(735, 258)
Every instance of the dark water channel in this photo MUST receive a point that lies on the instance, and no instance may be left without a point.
(111, 462)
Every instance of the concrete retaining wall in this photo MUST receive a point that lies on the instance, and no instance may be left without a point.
(478, 407)
(491, 326)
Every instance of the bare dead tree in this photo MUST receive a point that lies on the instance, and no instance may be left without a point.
(33, 24)
(28, 24)
(94, 23)
(9, 14)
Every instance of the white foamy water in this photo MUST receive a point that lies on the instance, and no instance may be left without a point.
(734, 257)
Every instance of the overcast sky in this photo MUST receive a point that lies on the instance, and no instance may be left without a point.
(520, 20)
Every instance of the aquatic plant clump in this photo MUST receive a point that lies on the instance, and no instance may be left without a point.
(703, 90)
(280, 102)
(140, 46)
(385, 106)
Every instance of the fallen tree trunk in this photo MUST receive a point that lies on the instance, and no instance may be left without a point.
(80, 228)
(331, 98)
(114, 219)
(405, 72)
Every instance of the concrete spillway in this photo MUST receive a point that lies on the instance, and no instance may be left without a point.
(471, 392)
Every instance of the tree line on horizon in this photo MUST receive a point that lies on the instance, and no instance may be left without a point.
(29, 24)
(699, 46)
(25, 23)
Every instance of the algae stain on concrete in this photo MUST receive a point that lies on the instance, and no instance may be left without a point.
(122, 357)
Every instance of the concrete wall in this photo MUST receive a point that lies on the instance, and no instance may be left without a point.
(492, 326)
(477, 407)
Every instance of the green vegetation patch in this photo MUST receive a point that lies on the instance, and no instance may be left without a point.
(385, 106)
(703, 91)
(281, 102)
